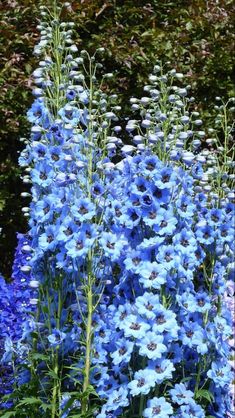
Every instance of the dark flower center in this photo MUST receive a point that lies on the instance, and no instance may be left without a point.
(118, 212)
(50, 238)
(184, 242)
(141, 188)
(140, 383)
(68, 231)
(147, 200)
(83, 210)
(134, 216)
(152, 215)
(135, 326)
(79, 245)
(46, 209)
(165, 178)
(43, 176)
(156, 410)
(168, 257)
(158, 193)
(153, 275)
(158, 369)
(150, 166)
(152, 346)
(201, 302)
(160, 319)
(149, 306)
(136, 261)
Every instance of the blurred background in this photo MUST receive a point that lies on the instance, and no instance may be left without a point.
(196, 37)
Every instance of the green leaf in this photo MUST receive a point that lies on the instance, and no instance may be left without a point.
(29, 401)
(189, 26)
(204, 394)
(8, 414)
(38, 356)
(53, 374)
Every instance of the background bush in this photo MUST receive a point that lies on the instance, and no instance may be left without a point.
(193, 36)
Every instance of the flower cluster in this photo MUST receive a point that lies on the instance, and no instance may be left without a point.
(119, 285)
(166, 307)
(17, 307)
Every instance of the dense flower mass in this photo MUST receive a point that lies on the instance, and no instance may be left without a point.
(117, 306)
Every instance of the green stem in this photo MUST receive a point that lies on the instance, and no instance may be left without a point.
(55, 385)
(55, 358)
(142, 399)
(88, 350)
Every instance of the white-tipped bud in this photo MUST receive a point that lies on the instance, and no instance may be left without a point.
(145, 100)
(33, 301)
(156, 68)
(25, 269)
(180, 76)
(25, 209)
(146, 123)
(152, 78)
(25, 194)
(133, 100)
(34, 284)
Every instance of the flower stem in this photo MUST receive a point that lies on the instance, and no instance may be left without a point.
(88, 351)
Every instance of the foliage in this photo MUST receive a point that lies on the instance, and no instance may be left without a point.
(17, 37)
(117, 305)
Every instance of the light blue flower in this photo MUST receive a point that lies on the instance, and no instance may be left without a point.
(158, 408)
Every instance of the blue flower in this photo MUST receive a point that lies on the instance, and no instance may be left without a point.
(123, 352)
(220, 373)
(142, 383)
(47, 240)
(112, 244)
(152, 275)
(165, 322)
(43, 175)
(205, 233)
(150, 166)
(134, 326)
(66, 230)
(134, 261)
(38, 114)
(158, 407)
(118, 398)
(151, 346)
(193, 335)
(163, 369)
(83, 209)
(185, 242)
(79, 244)
(147, 305)
(70, 114)
(56, 338)
(168, 257)
(185, 206)
(166, 178)
(165, 222)
(180, 395)
(191, 410)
